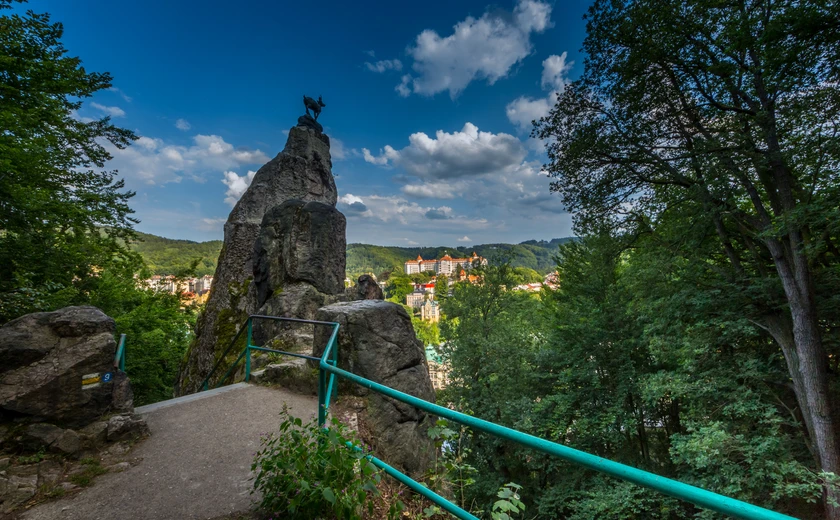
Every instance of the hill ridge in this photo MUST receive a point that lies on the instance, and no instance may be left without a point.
(169, 255)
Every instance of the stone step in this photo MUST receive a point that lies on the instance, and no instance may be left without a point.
(294, 374)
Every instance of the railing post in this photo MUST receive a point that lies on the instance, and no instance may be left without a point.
(334, 356)
(322, 395)
(248, 352)
(122, 358)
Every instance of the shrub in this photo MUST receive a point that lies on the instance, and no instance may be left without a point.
(311, 473)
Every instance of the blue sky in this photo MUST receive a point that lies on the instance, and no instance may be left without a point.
(427, 106)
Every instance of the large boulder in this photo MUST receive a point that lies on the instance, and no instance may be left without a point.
(300, 242)
(54, 366)
(377, 341)
(303, 170)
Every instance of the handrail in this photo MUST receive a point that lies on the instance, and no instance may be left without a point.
(246, 352)
(119, 358)
(667, 486)
(328, 371)
(223, 356)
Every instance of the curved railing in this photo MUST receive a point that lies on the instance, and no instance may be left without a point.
(119, 357)
(329, 371)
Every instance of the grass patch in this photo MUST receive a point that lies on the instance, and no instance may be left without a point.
(92, 469)
(52, 491)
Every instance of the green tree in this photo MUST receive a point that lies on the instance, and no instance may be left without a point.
(527, 275)
(491, 336)
(398, 287)
(427, 331)
(158, 328)
(726, 114)
(60, 218)
(441, 287)
(640, 357)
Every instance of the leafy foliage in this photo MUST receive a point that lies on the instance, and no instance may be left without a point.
(158, 327)
(427, 331)
(639, 358)
(60, 219)
(166, 256)
(709, 130)
(309, 473)
(64, 225)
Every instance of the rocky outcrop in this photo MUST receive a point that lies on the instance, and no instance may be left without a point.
(299, 267)
(300, 242)
(377, 341)
(303, 170)
(54, 368)
(366, 288)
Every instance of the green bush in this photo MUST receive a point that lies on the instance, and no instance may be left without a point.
(310, 472)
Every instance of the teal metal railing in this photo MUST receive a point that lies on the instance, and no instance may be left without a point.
(246, 352)
(329, 371)
(119, 358)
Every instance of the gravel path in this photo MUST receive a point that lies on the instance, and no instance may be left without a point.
(196, 464)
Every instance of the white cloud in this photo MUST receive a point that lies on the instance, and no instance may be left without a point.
(555, 76)
(404, 89)
(372, 54)
(523, 110)
(183, 124)
(111, 111)
(388, 154)
(75, 115)
(464, 238)
(338, 151)
(236, 185)
(466, 153)
(152, 161)
(489, 172)
(383, 65)
(377, 209)
(212, 224)
(478, 48)
(433, 190)
(122, 94)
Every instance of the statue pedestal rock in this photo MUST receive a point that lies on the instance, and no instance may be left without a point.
(310, 122)
(303, 171)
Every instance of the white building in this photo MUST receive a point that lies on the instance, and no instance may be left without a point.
(446, 265)
(415, 299)
(430, 311)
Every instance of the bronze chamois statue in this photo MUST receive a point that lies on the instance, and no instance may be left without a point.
(316, 106)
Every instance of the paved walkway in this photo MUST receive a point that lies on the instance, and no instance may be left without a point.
(196, 464)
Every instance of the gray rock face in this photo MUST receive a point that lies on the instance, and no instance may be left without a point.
(303, 170)
(377, 341)
(298, 300)
(47, 355)
(126, 427)
(300, 242)
(66, 442)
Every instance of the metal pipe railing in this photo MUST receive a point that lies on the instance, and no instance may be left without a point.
(328, 371)
(119, 358)
(670, 487)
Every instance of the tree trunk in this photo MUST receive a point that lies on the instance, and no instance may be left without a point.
(813, 367)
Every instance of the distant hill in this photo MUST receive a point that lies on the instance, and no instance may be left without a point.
(535, 254)
(168, 256)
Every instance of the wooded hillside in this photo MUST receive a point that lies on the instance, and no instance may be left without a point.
(168, 256)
